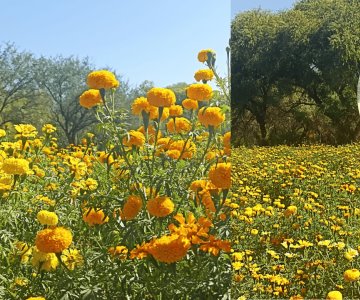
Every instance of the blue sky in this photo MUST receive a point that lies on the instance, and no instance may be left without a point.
(155, 40)
(273, 5)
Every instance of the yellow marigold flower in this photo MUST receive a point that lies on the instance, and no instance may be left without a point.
(351, 275)
(23, 250)
(135, 138)
(25, 131)
(161, 97)
(118, 251)
(47, 217)
(351, 254)
(72, 258)
(227, 139)
(2, 133)
(48, 128)
(174, 154)
(334, 295)
(204, 75)
(187, 150)
(36, 298)
(220, 175)
(15, 166)
(181, 125)
(164, 143)
(90, 98)
(46, 261)
(140, 251)
(175, 110)
(139, 105)
(154, 113)
(53, 239)
(291, 210)
(102, 79)
(95, 217)
(199, 92)
(211, 116)
(190, 104)
(131, 208)
(203, 55)
(169, 248)
(104, 157)
(160, 206)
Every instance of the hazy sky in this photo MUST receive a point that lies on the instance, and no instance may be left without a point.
(274, 5)
(154, 40)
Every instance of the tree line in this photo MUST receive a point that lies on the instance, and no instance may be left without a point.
(47, 89)
(295, 74)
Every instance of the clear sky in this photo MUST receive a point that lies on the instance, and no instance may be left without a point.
(155, 40)
(273, 5)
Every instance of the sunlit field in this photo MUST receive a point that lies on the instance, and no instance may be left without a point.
(129, 213)
(296, 222)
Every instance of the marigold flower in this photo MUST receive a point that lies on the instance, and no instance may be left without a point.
(204, 75)
(180, 125)
(199, 92)
(23, 250)
(203, 55)
(161, 97)
(211, 116)
(154, 113)
(95, 217)
(334, 295)
(139, 105)
(140, 251)
(160, 206)
(169, 248)
(15, 166)
(35, 298)
(118, 251)
(47, 217)
(131, 208)
(188, 150)
(214, 246)
(190, 104)
(90, 98)
(227, 139)
(220, 175)
(135, 138)
(46, 261)
(174, 154)
(151, 133)
(175, 110)
(48, 128)
(2, 133)
(102, 79)
(72, 258)
(351, 275)
(53, 239)
(291, 210)
(25, 131)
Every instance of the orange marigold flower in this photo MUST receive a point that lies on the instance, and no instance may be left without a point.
(163, 144)
(90, 98)
(161, 97)
(139, 105)
(174, 154)
(180, 125)
(131, 208)
(53, 239)
(95, 217)
(199, 92)
(102, 79)
(203, 55)
(220, 175)
(190, 104)
(118, 251)
(211, 116)
(204, 75)
(135, 138)
(15, 166)
(227, 139)
(175, 110)
(214, 246)
(187, 148)
(154, 113)
(160, 206)
(169, 248)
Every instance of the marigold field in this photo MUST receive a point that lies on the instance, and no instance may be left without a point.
(296, 213)
(139, 213)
